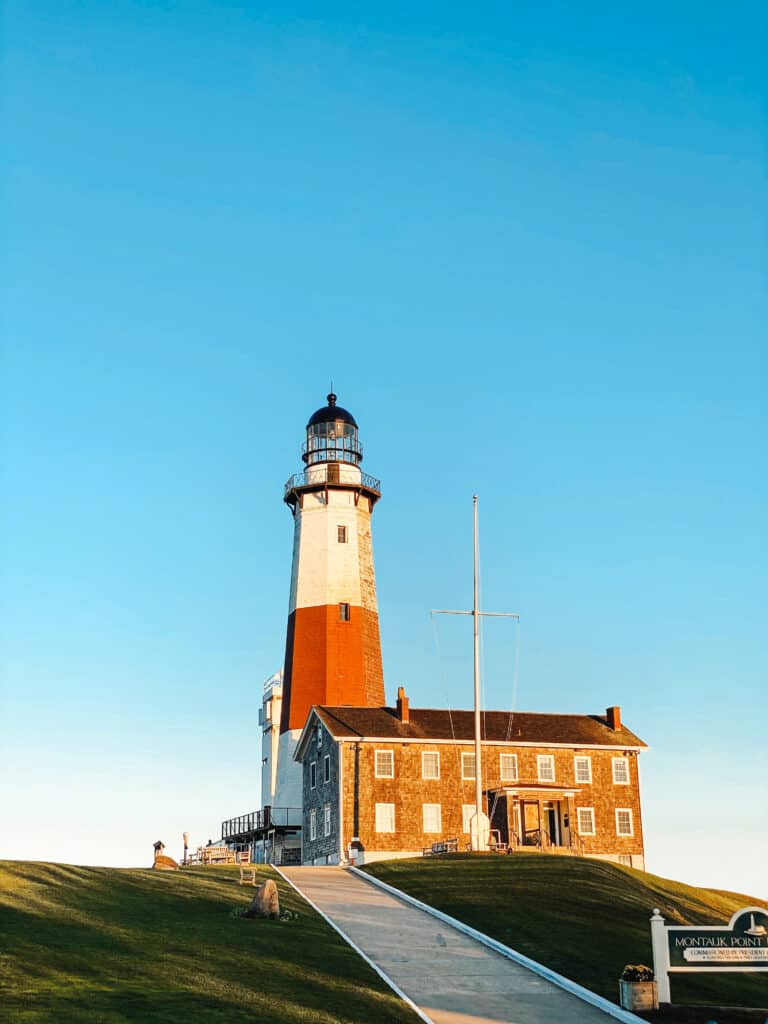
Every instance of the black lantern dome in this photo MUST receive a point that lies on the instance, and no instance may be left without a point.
(330, 413)
(332, 436)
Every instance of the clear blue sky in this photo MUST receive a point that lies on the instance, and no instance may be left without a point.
(525, 241)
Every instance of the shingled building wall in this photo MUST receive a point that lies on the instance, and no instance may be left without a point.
(408, 791)
(323, 848)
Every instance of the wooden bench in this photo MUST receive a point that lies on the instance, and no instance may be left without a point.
(215, 855)
(247, 875)
(442, 846)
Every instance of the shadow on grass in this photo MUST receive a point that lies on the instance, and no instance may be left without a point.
(106, 945)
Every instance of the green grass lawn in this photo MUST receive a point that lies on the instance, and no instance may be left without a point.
(104, 945)
(584, 918)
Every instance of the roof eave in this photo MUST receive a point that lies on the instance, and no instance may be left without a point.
(490, 742)
(305, 733)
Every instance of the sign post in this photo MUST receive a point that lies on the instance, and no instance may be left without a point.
(741, 945)
(660, 958)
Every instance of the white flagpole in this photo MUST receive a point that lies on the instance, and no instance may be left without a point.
(476, 625)
(478, 826)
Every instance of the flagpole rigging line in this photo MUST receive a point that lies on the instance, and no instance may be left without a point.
(476, 616)
(447, 698)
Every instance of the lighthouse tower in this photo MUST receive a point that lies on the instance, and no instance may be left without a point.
(332, 649)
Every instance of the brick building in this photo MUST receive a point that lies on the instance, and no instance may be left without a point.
(387, 782)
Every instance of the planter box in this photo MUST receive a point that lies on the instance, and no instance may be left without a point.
(638, 995)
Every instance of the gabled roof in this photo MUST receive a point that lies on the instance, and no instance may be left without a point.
(523, 727)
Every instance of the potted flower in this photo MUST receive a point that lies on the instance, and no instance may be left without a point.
(637, 989)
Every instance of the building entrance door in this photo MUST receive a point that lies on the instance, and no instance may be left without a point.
(552, 822)
(531, 832)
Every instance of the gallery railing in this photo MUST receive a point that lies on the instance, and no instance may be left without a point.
(309, 478)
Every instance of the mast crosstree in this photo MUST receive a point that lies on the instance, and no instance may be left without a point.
(479, 824)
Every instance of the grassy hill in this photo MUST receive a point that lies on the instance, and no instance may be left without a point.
(104, 945)
(584, 918)
(110, 946)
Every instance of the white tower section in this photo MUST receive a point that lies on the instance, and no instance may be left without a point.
(269, 719)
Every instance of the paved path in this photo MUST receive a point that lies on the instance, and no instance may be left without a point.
(453, 978)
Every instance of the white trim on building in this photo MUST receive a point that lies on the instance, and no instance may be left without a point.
(585, 821)
(385, 817)
(432, 817)
(545, 767)
(430, 764)
(625, 825)
(582, 768)
(384, 764)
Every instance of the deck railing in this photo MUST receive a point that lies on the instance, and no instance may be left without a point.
(540, 839)
(269, 817)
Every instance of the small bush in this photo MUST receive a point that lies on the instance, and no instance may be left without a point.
(242, 912)
(637, 972)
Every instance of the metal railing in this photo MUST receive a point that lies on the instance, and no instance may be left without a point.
(309, 478)
(276, 679)
(541, 839)
(286, 817)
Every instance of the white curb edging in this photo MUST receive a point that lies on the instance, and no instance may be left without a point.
(600, 1002)
(385, 977)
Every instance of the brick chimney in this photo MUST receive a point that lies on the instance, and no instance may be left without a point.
(614, 718)
(403, 711)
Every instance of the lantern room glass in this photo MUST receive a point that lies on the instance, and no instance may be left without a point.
(332, 441)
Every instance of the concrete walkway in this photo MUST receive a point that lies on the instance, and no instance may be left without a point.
(452, 978)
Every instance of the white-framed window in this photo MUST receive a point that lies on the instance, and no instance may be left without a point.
(432, 817)
(327, 768)
(621, 771)
(341, 534)
(624, 823)
(319, 735)
(585, 821)
(385, 764)
(385, 817)
(467, 766)
(582, 768)
(312, 774)
(344, 612)
(625, 859)
(508, 767)
(326, 819)
(313, 823)
(545, 767)
(430, 764)
(467, 810)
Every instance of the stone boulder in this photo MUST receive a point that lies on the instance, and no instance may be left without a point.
(163, 863)
(266, 902)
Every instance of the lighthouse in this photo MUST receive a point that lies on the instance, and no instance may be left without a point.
(332, 648)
